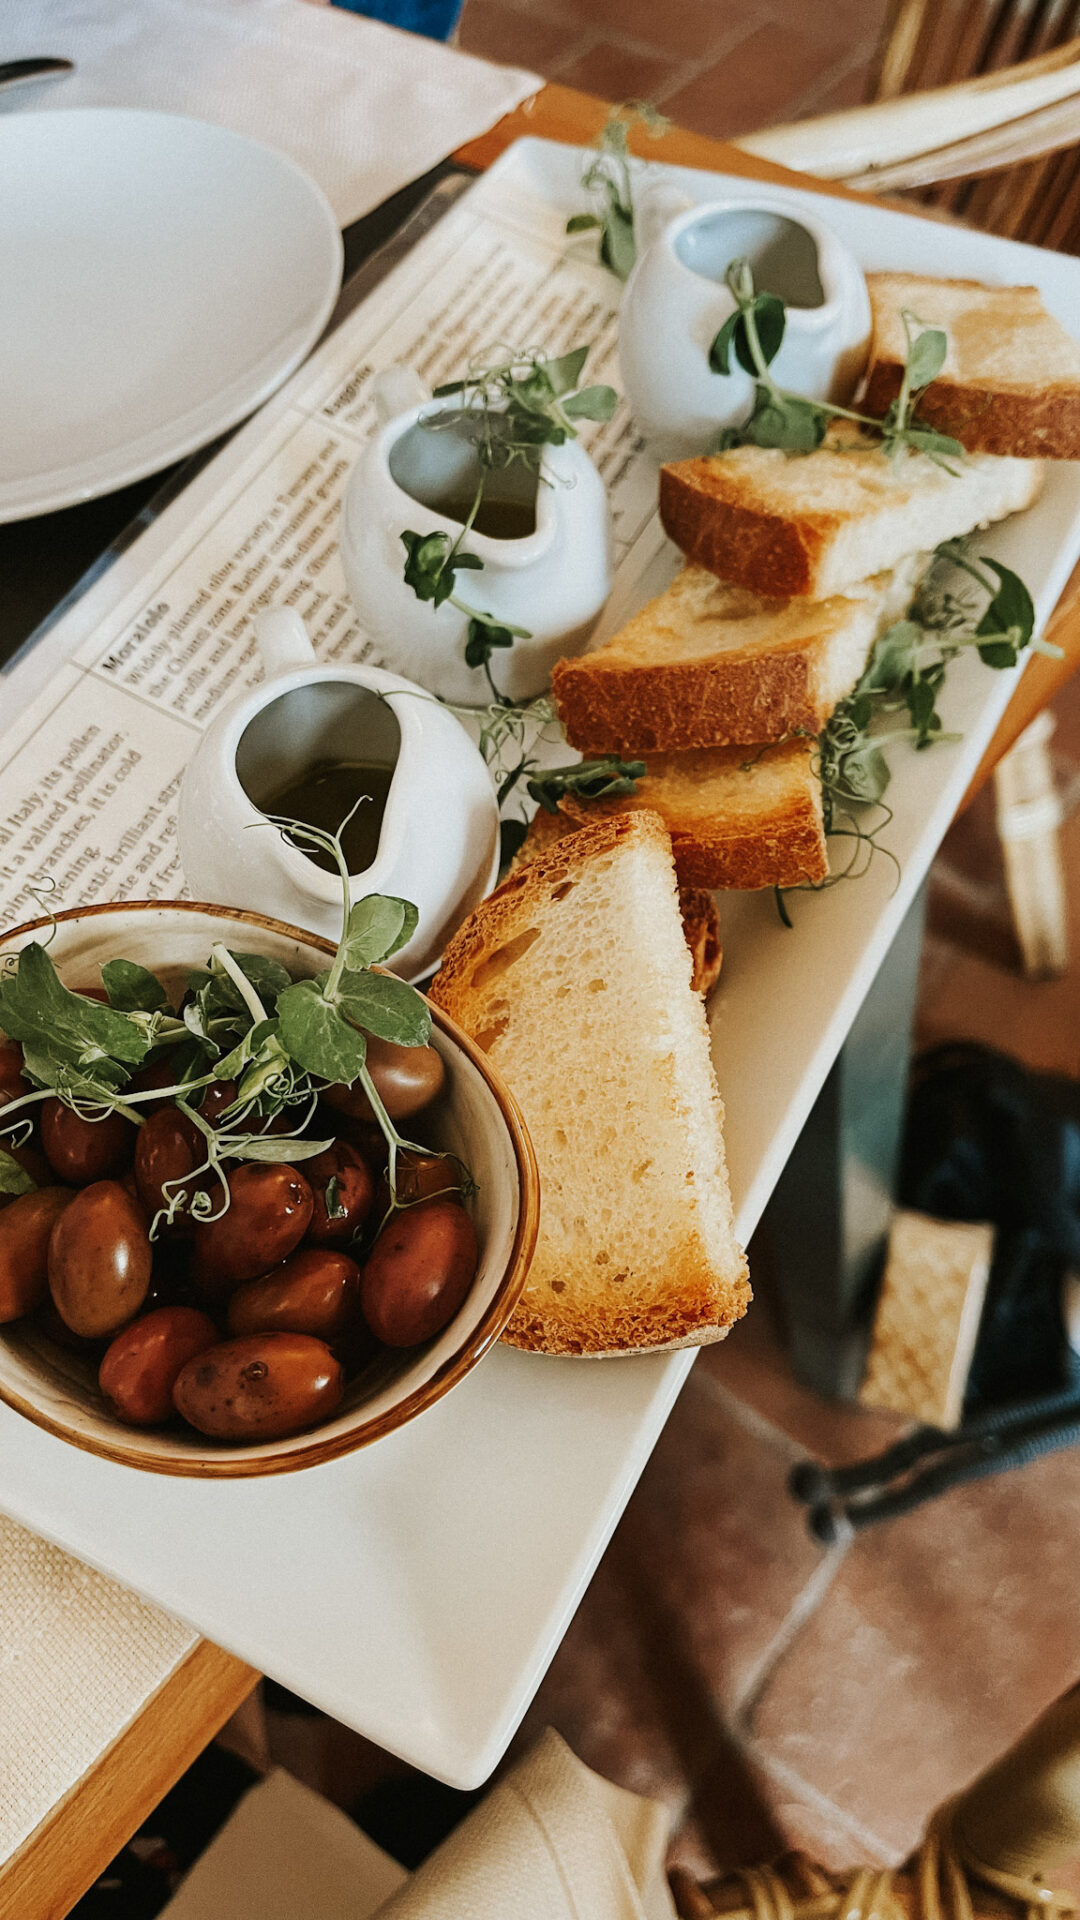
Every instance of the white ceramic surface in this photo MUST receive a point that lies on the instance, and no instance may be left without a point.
(60, 1390)
(553, 582)
(160, 278)
(676, 301)
(418, 1589)
(439, 844)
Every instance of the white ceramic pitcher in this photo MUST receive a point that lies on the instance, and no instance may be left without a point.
(553, 581)
(676, 301)
(438, 844)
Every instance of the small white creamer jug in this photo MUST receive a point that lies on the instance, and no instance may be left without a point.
(677, 299)
(546, 553)
(435, 840)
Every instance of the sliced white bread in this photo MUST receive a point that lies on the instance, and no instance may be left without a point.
(808, 525)
(700, 919)
(1011, 379)
(739, 817)
(706, 664)
(575, 979)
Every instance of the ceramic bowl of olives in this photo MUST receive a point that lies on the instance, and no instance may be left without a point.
(216, 1258)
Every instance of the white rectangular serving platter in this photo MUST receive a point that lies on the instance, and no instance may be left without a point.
(418, 1590)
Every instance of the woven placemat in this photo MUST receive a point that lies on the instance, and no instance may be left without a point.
(79, 1657)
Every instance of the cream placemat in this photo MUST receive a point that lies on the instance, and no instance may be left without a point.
(362, 107)
(79, 1657)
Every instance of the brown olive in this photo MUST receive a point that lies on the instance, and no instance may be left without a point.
(140, 1368)
(418, 1272)
(344, 1187)
(420, 1176)
(82, 1151)
(100, 1259)
(169, 1146)
(406, 1080)
(269, 1212)
(260, 1387)
(32, 1163)
(25, 1228)
(316, 1291)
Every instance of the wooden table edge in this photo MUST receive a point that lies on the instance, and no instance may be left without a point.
(562, 113)
(67, 1851)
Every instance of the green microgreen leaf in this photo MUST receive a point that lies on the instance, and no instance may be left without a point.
(607, 177)
(770, 320)
(563, 375)
(385, 1006)
(316, 1036)
(132, 988)
(13, 1178)
(926, 356)
(377, 927)
(588, 780)
(592, 403)
(61, 1031)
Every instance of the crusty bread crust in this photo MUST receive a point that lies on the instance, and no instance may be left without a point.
(778, 843)
(1028, 426)
(697, 1302)
(763, 551)
(674, 707)
(1029, 409)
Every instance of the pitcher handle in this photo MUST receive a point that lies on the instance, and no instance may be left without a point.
(656, 207)
(397, 390)
(282, 640)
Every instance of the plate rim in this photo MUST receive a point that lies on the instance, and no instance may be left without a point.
(75, 484)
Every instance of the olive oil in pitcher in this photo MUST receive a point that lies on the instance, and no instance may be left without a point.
(324, 795)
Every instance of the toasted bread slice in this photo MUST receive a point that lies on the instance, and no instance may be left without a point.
(700, 919)
(808, 525)
(706, 664)
(575, 979)
(1011, 379)
(739, 817)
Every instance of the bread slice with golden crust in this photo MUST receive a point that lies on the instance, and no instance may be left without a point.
(1010, 384)
(739, 817)
(706, 664)
(700, 919)
(807, 525)
(575, 979)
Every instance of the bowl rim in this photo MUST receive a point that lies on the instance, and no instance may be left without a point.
(483, 1336)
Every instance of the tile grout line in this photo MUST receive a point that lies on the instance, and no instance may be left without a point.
(790, 1778)
(799, 1614)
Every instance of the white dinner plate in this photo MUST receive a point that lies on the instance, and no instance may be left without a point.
(160, 278)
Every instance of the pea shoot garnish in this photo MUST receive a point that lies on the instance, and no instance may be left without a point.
(607, 178)
(512, 407)
(753, 335)
(896, 697)
(243, 1020)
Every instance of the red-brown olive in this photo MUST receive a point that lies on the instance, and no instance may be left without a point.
(420, 1176)
(82, 1151)
(140, 1369)
(317, 1291)
(100, 1259)
(269, 1212)
(260, 1387)
(418, 1272)
(25, 1229)
(407, 1079)
(168, 1148)
(344, 1187)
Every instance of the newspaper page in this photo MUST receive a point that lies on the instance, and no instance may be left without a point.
(91, 767)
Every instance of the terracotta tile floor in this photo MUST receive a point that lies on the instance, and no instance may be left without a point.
(768, 1691)
(717, 66)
